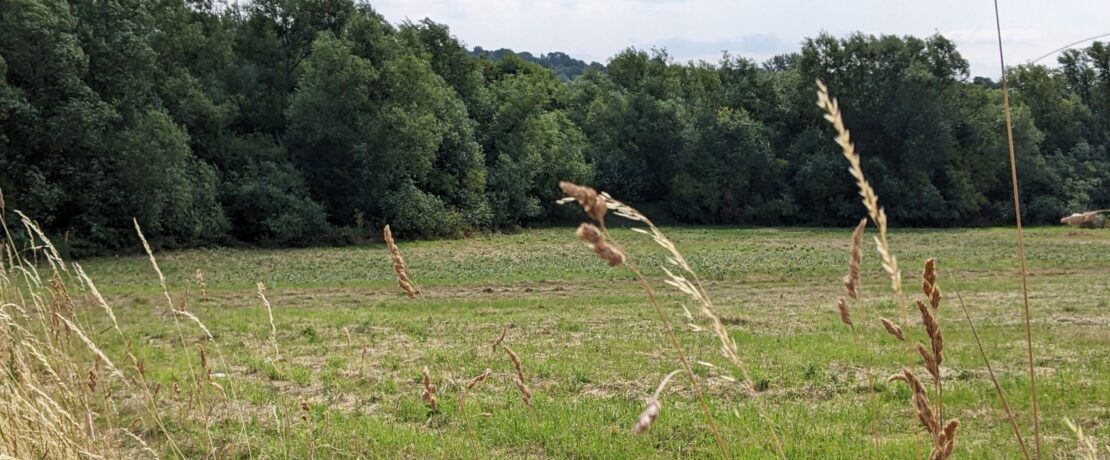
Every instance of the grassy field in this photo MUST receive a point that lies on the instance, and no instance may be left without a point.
(352, 346)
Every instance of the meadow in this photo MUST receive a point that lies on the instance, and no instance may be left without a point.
(345, 377)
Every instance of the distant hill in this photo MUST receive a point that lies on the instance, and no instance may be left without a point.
(565, 67)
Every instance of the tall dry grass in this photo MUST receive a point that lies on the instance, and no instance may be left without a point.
(930, 410)
(681, 276)
(69, 396)
(61, 389)
(1020, 236)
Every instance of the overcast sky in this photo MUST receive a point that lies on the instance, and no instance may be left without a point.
(594, 30)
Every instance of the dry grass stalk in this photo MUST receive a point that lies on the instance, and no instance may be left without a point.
(199, 277)
(462, 401)
(1020, 237)
(270, 316)
(851, 280)
(990, 373)
(52, 255)
(869, 198)
(91, 346)
(181, 337)
(852, 289)
(595, 205)
(154, 263)
(45, 415)
(195, 320)
(1087, 448)
(429, 395)
(478, 379)
(651, 411)
(596, 242)
(525, 392)
(99, 298)
(501, 338)
(403, 279)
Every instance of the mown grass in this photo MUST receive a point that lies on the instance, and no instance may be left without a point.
(592, 348)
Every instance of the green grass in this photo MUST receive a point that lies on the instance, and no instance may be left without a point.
(593, 349)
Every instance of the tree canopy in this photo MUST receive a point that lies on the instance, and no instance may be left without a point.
(294, 122)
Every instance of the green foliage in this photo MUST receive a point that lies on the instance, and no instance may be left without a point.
(411, 211)
(293, 122)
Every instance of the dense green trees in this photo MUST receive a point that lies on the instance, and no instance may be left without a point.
(290, 122)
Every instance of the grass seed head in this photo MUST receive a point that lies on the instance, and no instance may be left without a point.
(929, 284)
(429, 395)
(930, 361)
(851, 280)
(403, 280)
(479, 379)
(525, 393)
(647, 417)
(893, 329)
(932, 328)
(845, 317)
(590, 234)
(201, 284)
(587, 197)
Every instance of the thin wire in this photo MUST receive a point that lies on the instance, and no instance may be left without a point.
(1020, 238)
(1069, 45)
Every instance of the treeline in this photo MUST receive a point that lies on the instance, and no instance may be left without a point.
(565, 67)
(293, 122)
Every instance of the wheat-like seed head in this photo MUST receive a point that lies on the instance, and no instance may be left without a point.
(867, 193)
(201, 284)
(596, 242)
(851, 280)
(946, 440)
(893, 329)
(929, 284)
(429, 395)
(525, 392)
(943, 437)
(920, 400)
(587, 197)
(403, 280)
(932, 328)
(845, 317)
(930, 362)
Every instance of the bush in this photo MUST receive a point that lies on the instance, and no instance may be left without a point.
(412, 212)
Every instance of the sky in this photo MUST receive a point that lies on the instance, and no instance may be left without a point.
(595, 30)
